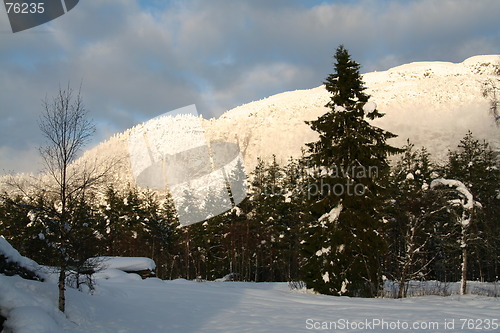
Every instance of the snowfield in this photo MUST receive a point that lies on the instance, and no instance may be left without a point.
(125, 303)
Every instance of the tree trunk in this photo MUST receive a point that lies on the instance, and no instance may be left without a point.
(402, 283)
(188, 252)
(256, 267)
(463, 286)
(62, 289)
(465, 244)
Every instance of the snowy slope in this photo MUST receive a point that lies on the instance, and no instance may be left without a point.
(12, 255)
(432, 103)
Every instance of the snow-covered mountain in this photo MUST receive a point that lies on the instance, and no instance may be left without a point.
(433, 104)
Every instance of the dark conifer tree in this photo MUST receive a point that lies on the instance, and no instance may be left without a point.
(112, 226)
(349, 163)
(416, 216)
(475, 164)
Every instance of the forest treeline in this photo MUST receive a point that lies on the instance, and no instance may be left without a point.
(262, 238)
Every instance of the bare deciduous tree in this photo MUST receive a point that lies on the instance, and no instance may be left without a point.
(67, 129)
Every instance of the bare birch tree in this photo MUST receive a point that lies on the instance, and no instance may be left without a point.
(67, 129)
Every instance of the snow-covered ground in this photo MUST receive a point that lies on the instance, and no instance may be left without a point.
(125, 303)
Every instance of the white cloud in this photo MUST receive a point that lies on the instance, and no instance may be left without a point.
(267, 77)
(19, 161)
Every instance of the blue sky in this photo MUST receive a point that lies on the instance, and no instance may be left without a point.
(137, 59)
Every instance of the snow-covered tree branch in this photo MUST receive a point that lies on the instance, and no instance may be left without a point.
(466, 204)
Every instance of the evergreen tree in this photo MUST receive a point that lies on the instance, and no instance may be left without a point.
(217, 261)
(277, 219)
(21, 224)
(414, 219)
(157, 227)
(462, 207)
(112, 225)
(170, 237)
(476, 165)
(349, 164)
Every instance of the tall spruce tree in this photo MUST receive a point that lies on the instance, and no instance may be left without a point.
(348, 164)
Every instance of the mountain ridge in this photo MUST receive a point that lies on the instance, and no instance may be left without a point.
(436, 91)
(433, 104)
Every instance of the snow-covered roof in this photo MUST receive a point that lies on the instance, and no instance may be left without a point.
(12, 255)
(127, 264)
